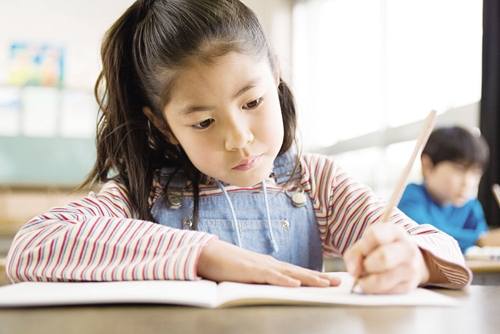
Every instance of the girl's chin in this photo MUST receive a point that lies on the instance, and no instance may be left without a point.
(249, 178)
(249, 181)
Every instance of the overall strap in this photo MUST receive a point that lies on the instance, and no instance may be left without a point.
(283, 167)
(178, 182)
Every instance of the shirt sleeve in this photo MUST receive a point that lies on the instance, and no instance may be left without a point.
(345, 208)
(98, 239)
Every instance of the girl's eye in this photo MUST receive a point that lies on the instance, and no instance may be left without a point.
(253, 104)
(203, 125)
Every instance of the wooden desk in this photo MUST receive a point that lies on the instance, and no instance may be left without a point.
(477, 314)
(3, 275)
(478, 266)
(485, 272)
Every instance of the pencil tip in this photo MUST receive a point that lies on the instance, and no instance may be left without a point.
(354, 285)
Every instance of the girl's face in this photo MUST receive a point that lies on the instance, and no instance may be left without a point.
(451, 183)
(227, 117)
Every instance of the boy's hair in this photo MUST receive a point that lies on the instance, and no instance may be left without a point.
(459, 145)
(141, 56)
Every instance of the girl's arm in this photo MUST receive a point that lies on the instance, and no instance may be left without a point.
(346, 210)
(98, 239)
(222, 261)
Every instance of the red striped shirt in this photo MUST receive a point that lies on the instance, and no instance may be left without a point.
(98, 237)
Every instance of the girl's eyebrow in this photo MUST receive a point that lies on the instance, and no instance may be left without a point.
(194, 108)
(250, 84)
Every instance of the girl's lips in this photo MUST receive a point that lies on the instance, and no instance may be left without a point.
(248, 163)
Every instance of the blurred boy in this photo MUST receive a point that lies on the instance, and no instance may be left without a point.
(453, 162)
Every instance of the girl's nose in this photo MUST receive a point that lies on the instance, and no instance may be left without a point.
(238, 135)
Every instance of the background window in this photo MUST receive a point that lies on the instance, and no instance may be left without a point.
(366, 73)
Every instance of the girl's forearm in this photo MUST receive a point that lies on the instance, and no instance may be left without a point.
(103, 249)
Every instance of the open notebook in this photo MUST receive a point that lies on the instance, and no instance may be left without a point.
(205, 294)
(485, 253)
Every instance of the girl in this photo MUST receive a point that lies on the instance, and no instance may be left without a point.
(194, 148)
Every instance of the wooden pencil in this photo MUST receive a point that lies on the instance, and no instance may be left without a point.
(425, 132)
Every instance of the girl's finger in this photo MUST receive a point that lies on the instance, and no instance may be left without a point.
(398, 280)
(377, 235)
(353, 261)
(389, 256)
(275, 277)
(310, 277)
(355, 255)
(272, 271)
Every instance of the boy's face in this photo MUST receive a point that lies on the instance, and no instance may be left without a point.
(226, 116)
(451, 182)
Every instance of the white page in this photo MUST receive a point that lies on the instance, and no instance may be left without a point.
(192, 293)
(203, 294)
(229, 293)
(485, 253)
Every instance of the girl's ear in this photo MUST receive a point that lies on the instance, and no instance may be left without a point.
(427, 165)
(160, 125)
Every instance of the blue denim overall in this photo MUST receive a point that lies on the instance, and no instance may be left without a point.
(265, 222)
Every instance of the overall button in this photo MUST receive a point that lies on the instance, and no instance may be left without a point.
(187, 222)
(174, 202)
(285, 223)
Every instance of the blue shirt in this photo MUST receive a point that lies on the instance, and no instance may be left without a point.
(465, 223)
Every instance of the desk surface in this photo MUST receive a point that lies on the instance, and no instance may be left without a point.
(483, 266)
(478, 313)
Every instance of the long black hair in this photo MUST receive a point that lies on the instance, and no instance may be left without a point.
(141, 54)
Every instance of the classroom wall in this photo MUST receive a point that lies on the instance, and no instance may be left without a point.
(46, 136)
(79, 26)
(75, 24)
(276, 18)
(48, 123)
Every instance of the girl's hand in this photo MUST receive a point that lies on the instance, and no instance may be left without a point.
(222, 261)
(386, 261)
